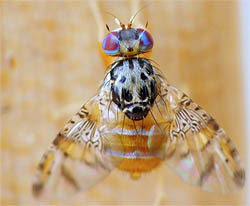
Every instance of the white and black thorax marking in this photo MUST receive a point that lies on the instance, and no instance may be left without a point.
(133, 84)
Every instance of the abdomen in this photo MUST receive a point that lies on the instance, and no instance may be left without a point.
(139, 145)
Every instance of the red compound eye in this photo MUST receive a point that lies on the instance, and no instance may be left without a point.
(146, 40)
(110, 44)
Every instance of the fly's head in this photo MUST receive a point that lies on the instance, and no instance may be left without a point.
(134, 87)
(127, 41)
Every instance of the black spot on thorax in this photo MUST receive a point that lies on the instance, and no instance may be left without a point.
(143, 76)
(152, 87)
(149, 69)
(115, 94)
(130, 63)
(141, 63)
(143, 92)
(126, 95)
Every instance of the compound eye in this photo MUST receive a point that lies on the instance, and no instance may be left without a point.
(146, 40)
(110, 44)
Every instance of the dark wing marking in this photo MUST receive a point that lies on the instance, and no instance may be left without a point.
(75, 160)
(199, 150)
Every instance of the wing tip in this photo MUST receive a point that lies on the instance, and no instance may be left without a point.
(239, 178)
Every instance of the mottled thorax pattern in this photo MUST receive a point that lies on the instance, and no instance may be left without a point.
(134, 86)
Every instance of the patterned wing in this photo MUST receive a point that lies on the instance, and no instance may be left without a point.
(199, 150)
(75, 159)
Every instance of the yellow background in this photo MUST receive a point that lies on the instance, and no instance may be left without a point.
(51, 65)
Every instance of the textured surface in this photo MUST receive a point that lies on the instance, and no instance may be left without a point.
(51, 65)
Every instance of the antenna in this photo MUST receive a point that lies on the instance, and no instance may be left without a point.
(133, 17)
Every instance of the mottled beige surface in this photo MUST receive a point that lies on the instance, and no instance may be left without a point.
(51, 65)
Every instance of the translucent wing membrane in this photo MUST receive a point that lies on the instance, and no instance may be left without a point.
(199, 151)
(76, 160)
(112, 130)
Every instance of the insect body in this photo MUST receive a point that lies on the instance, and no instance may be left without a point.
(134, 123)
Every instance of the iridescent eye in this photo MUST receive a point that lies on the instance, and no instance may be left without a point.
(146, 40)
(110, 44)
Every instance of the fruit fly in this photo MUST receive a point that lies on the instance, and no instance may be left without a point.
(134, 123)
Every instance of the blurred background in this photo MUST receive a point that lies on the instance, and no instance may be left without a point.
(51, 65)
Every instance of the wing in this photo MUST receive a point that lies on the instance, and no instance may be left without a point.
(199, 150)
(76, 159)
